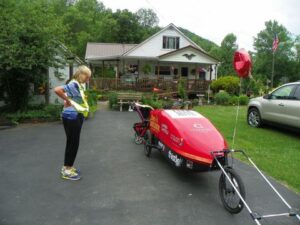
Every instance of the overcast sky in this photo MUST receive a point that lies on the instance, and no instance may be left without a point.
(214, 19)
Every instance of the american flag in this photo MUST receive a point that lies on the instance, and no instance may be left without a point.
(275, 43)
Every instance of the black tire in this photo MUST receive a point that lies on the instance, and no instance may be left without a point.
(254, 118)
(148, 143)
(138, 139)
(228, 195)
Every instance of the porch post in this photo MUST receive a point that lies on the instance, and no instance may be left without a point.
(118, 65)
(216, 71)
(102, 68)
(210, 72)
(158, 70)
(138, 75)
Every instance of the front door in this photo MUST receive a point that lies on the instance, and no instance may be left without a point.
(184, 71)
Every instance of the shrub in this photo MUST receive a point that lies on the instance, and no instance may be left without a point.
(181, 89)
(244, 100)
(53, 110)
(158, 104)
(233, 100)
(113, 99)
(230, 84)
(92, 98)
(222, 98)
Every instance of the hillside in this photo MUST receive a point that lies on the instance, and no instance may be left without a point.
(207, 45)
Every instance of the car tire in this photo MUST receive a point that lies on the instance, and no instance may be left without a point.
(254, 118)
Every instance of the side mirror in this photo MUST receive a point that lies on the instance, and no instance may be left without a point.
(267, 96)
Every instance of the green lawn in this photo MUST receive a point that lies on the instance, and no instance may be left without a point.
(275, 151)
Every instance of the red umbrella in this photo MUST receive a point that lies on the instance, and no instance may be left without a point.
(242, 63)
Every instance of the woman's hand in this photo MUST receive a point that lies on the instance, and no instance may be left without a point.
(67, 103)
(61, 93)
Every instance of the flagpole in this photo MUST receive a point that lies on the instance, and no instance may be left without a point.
(272, 76)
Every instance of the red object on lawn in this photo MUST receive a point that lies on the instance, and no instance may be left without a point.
(156, 90)
(242, 63)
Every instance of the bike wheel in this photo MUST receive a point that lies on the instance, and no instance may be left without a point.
(138, 139)
(148, 142)
(228, 195)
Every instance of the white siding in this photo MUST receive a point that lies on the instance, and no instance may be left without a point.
(154, 46)
(179, 57)
(54, 82)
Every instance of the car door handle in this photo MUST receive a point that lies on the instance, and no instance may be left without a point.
(281, 104)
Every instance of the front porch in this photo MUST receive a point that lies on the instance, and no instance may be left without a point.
(195, 86)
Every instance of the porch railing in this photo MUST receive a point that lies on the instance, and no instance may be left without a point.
(144, 85)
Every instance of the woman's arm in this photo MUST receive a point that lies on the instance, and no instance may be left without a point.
(61, 93)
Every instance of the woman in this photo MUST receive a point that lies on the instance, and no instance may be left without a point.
(75, 109)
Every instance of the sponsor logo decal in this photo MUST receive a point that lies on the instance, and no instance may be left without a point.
(176, 140)
(165, 129)
(154, 123)
(161, 145)
(175, 158)
(198, 126)
(183, 114)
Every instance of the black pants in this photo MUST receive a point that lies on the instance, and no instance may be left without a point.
(72, 129)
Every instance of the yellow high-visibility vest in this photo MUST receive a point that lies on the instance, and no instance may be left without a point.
(84, 107)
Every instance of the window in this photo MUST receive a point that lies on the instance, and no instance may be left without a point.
(284, 92)
(170, 42)
(297, 93)
(163, 70)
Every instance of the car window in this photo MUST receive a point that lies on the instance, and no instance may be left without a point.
(297, 93)
(284, 92)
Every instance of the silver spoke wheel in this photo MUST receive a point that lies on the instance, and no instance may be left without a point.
(254, 119)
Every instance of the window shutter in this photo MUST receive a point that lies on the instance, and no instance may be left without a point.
(177, 42)
(164, 42)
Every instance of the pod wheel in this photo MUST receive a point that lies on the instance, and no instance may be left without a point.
(138, 139)
(148, 142)
(228, 195)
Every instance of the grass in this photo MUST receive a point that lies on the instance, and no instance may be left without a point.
(275, 151)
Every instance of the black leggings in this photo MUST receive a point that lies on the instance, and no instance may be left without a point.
(72, 129)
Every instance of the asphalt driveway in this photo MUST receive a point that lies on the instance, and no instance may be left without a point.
(119, 186)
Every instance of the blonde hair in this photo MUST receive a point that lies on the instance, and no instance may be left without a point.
(81, 70)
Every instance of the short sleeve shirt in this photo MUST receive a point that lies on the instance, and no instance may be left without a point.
(73, 92)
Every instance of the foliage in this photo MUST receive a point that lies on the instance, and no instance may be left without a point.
(29, 40)
(92, 99)
(222, 98)
(181, 88)
(244, 100)
(229, 84)
(207, 45)
(254, 86)
(147, 17)
(112, 99)
(46, 113)
(265, 146)
(228, 47)
(233, 100)
(153, 101)
(146, 69)
(285, 57)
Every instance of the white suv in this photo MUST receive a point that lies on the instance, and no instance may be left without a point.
(282, 106)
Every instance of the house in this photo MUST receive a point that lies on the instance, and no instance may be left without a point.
(56, 76)
(168, 54)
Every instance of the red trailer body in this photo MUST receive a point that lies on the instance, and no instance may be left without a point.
(188, 134)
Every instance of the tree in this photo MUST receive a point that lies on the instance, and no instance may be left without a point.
(83, 20)
(284, 56)
(228, 47)
(127, 27)
(29, 38)
(147, 17)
